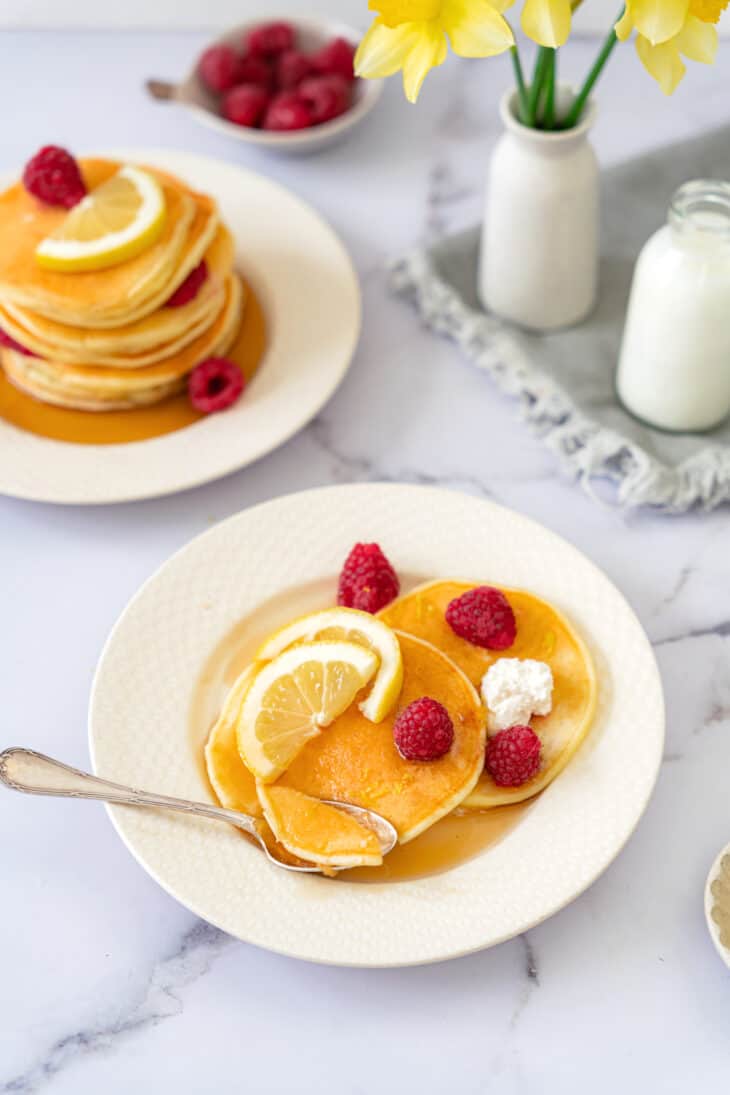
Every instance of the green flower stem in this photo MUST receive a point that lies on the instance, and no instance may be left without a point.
(542, 64)
(521, 86)
(548, 113)
(573, 116)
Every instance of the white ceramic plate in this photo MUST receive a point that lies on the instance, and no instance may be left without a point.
(141, 702)
(310, 294)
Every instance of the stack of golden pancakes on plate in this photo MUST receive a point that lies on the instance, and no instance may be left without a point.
(105, 339)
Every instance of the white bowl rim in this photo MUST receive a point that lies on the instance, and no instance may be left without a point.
(373, 89)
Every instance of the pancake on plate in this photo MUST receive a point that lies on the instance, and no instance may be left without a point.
(131, 345)
(110, 337)
(97, 388)
(355, 760)
(99, 297)
(543, 634)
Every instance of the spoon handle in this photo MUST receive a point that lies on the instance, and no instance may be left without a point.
(161, 90)
(36, 774)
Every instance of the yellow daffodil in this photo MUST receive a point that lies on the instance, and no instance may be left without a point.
(547, 22)
(412, 35)
(667, 30)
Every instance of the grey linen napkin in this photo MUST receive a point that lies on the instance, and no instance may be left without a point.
(565, 380)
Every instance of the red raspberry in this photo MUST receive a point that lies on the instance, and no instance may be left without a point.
(6, 340)
(214, 385)
(291, 68)
(269, 39)
(484, 617)
(190, 287)
(336, 59)
(326, 96)
(255, 70)
(218, 68)
(513, 756)
(367, 580)
(53, 176)
(245, 104)
(286, 112)
(424, 731)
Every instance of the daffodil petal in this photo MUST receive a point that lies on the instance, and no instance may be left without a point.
(383, 50)
(547, 22)
(395, 12)
(624, 26)
(427, 50)
(662, 62)
(658, 20)
(502, 5)
(698, 40)
(475, 28)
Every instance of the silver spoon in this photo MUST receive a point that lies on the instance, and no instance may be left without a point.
(36, 774)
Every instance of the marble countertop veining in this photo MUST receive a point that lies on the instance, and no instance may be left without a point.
(109, 985)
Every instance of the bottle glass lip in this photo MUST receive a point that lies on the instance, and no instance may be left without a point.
(702, 207)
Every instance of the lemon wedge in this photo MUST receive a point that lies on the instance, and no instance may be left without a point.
(317, 832)
(349, 625)
(116, 221)
(293, 697)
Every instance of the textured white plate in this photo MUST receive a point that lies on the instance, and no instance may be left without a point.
(310, 294)
(141, 705)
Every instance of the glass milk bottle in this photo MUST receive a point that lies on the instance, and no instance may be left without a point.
(674, 367)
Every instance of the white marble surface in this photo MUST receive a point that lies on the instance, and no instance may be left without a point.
(107, 984)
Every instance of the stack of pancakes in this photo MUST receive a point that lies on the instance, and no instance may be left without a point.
(104, 339)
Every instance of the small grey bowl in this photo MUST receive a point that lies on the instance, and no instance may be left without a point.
(311, 35)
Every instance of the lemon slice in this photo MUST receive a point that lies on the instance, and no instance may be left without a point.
(317, 832)
(293, 697)
(120, 219)
(350, 625)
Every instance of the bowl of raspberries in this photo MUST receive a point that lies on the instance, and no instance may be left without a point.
(284, 85)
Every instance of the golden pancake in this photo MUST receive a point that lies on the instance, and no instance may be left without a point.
(96, 297)
(318, 832)
(205, 314)
(544, 634)
(234, 786)
(132, 345)
(105, 388)
(354, 760)
(229, 777)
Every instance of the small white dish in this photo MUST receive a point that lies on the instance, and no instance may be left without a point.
(717, 903)
(258, 563)
(194, 96)
(310, 295)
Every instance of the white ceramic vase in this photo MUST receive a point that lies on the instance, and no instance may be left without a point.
(539, 257)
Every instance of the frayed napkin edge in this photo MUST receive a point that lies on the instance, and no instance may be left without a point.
(583, 446)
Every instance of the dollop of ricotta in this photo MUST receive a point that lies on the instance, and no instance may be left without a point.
(515, 689)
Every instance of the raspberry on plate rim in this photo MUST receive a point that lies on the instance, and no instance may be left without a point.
(215, 384)
(367, 579)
